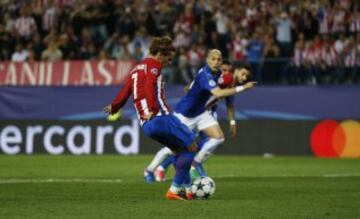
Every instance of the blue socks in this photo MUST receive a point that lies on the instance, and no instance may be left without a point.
(198, 166)
(182, 168)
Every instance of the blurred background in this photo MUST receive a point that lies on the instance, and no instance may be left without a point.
(63, 60)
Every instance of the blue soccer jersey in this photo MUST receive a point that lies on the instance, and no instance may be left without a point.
(194, 102)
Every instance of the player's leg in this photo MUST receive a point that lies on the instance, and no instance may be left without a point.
(209, 125)
(160, 156)
(182, 175)
(160, 171)
(203, 139)
(167, 162)
(170, 131)
(215, 138)
(187, 145)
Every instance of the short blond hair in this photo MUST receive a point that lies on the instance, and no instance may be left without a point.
(213, 51)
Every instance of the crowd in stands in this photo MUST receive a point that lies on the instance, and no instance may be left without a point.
(308, 41)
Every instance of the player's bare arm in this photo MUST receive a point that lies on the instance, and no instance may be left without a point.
(231, 116)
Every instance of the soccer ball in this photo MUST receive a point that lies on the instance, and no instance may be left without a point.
(203, 187)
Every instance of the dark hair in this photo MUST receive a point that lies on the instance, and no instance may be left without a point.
(162, 45)
(226, 62)
(241, 65)
(247, 66)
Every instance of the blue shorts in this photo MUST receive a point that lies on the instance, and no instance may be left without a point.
(168, 130)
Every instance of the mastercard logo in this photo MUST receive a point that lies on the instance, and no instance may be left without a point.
(330, 138)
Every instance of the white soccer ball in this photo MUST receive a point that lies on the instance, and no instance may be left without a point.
(203, 187)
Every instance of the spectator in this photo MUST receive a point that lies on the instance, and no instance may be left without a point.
(350, 61)
(272, 66)
(143, 39)
(138, 54)
(299, 48)
(354, 21)
(69, 44)
(50, 17)
(185, 75)
(81, 29)
(31, 56)
(52, 53)
(339, 20)
(96, 15)
(111, 46)
(36, 10)
(254, 54)
(125, 53)
(339, 45)
(271, 50)
(328, 61)
(297, 68)
(9, 23)
(181, 31)
(222, 28)
(194, 58)
(20, 54)
(25, 25)
(310, 57)
(163, 17)
(37, 47)
(238, 47)
(103, 55)
(284, 26)
(324, 16)
(209, 28)
(51, 36)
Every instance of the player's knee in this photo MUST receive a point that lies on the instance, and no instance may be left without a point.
(220, 140)
(220, 136)
(167, 151)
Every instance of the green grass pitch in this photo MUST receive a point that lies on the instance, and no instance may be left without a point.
(112, 187)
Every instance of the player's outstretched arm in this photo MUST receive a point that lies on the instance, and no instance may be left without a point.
(120, 98)
(219, 93)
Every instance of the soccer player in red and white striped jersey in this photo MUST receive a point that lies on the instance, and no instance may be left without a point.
(146, 85)
(149, 96)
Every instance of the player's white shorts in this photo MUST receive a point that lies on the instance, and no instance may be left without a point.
(201, 122)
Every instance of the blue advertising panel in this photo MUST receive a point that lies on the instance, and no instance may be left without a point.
(263, 102)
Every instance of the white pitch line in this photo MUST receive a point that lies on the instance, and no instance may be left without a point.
(344, 175)
(84, 180)
(341, 175)
(59, 180)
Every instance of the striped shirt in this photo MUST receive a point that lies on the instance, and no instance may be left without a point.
(147, 87)
(50, 18)
(25, 26)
